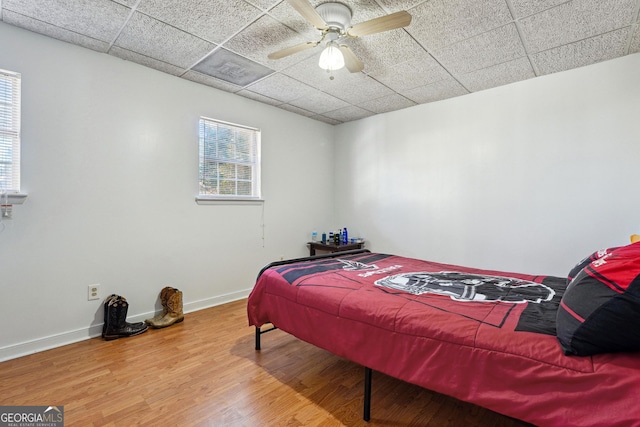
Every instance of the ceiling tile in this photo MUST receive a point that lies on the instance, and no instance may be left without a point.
(523, 8)
(145, 60)
(485, 50)
(197, 77)
(266, 36)
(635, 40)
(326, 119)
(288, 16)
(363, 10)
(387, 103)
(232, 68)
(98, 19)
(585, 52)
(155, 39)
(439, 23)
(212, 20)
(258, 97)
(398, 5)
(280, 87)
(53, 31)
(296, 110)
(263, 4)
(128, 3)
(348, 114)
(575, 20)
(498, 75)
(318, 102)
(437, 91)
(384, 50)
(411, 74)
(357, 88)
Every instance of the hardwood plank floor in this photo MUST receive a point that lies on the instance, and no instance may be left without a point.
(205, 372)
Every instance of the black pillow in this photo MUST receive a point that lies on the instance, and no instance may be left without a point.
(600, 309)
(588, 260)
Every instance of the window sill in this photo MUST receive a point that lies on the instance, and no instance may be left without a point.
(13, 198)
(228, 201)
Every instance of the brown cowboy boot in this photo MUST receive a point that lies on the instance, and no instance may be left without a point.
(165, 293)
(174, 311)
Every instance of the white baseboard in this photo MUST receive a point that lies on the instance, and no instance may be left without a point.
(58, 340)
(190, 307)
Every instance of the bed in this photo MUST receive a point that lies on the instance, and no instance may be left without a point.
(485, 337)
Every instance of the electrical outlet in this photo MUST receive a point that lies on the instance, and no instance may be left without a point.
(93, 292)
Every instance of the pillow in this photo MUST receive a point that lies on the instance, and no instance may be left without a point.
(600, 309)
(588, 260)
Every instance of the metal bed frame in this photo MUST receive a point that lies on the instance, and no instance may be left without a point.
(368, 372)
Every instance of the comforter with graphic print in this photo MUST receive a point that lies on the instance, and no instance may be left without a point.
(486, 337)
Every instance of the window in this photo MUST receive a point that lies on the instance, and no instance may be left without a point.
(9, 132)
(229, 161)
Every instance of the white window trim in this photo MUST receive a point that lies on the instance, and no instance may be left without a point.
(202, 200)
(13, 196)
(205, 199)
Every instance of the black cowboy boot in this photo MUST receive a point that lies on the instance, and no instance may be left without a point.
(106, 317)
(116, 322)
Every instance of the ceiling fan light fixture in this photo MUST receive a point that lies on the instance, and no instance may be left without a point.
(335, 15)
(331, 58)
(333, 19)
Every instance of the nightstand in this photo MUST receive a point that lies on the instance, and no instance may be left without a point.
(319, 246)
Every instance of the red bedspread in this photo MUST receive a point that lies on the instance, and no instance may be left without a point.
(481, 336)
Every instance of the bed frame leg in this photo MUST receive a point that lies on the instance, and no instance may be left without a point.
(258, 333)
(367, 394)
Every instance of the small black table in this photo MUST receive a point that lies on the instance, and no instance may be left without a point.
(314, 246)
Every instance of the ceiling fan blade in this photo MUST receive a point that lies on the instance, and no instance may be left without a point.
(291, 50)
(308, 12)
(378, 25)
(351, 61)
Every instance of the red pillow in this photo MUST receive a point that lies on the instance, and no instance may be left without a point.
(588, 260)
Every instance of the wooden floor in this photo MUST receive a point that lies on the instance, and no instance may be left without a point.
(205, 372)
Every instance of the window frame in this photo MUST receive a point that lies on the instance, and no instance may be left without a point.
(12, 193)
(254, 163)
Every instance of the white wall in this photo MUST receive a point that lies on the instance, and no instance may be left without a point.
(528, 177)
(110, 165)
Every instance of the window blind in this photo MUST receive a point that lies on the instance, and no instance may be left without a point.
(229, 160)
(9, 132)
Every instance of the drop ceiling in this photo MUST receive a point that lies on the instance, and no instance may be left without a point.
(451, 48)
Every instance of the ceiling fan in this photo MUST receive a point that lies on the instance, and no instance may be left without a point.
(333, 19)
